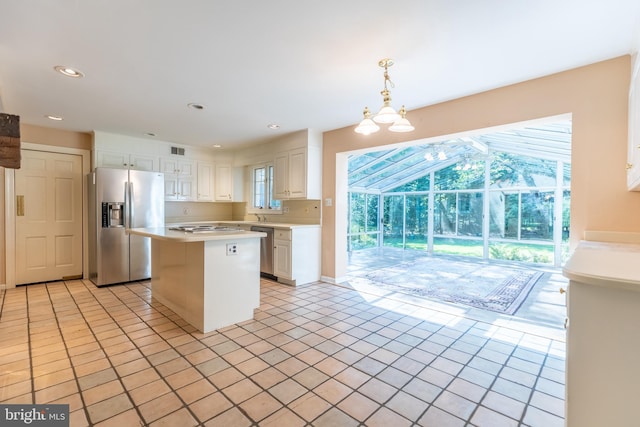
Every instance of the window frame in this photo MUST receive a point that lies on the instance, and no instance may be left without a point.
(267, 190)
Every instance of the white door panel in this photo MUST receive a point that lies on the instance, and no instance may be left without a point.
(49, 229)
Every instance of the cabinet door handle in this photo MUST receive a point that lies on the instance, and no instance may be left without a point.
(629, 166)
(562, 291)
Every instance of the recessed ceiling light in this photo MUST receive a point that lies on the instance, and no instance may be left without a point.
(273, 126)
(56, 118)
(217, 146)
(196, 106)
(68, 71)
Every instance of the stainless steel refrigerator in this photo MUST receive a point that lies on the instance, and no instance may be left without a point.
(120, 199)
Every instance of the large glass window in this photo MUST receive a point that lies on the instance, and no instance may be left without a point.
(393, 221)
(446, 188)
(511, 170)
(363, 221)
(465, 175)
(444, 214)
(537, 215)
(417, 220)
(470, 208)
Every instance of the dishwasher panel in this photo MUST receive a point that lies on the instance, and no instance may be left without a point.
(266, 250)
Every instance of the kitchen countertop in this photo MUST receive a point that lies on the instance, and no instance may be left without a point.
(164, 233)
(610, 264)
(280, 225)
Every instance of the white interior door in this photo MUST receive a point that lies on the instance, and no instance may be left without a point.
(48, 189)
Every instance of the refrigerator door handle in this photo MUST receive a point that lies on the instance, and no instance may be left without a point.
(131, 205)
(127, 205)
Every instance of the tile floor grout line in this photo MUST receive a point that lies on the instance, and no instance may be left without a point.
(219, 390)
(533, 390)
(102, 348)
(115, 370)
(502, 366)
(66, 347)
(184, 404)
(336, 320)
(31, 370)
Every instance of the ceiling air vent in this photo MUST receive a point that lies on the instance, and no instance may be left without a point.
(178, 151)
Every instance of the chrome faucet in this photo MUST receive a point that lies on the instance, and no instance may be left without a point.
(257, 216)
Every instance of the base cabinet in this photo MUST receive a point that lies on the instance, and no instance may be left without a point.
(296, 255)
(282, 259)
(603, 342)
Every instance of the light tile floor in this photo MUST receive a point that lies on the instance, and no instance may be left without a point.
(316, 355)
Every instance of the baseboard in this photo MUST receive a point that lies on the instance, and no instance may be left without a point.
(333, 280)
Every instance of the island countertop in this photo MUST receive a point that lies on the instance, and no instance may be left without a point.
(277, 225)
(165, 233)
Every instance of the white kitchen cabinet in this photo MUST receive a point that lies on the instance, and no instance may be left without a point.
(113, 159)
(179, 179)
(296, 175)
(282, 259)
(633, 156)
(603, 343)
(223, 183)
(296, 255)
(205, 182)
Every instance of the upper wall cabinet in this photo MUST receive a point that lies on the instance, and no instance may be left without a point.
(179, 179)
(633, 162)
(205, 182)
(297, 174)
(224, 183)
(112, 159)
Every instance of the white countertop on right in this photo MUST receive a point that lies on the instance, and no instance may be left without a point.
(606, 264)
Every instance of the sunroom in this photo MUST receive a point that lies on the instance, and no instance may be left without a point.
(502, 195)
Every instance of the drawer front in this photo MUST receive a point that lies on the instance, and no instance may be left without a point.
(282, 234)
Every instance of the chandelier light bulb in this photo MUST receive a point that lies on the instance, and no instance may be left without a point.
(402, 124)
(386, 114)
(367, 126)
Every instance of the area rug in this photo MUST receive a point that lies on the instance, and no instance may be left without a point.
(486, 286)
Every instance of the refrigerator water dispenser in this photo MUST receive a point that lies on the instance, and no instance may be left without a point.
(112, 214)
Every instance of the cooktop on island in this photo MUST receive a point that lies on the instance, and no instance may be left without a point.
(200, 228)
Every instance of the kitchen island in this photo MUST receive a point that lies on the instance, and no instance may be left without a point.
(210, 278)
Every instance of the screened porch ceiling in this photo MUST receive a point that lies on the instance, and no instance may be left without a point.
(382, 171)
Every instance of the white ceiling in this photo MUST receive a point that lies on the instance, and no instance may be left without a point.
(299, 64)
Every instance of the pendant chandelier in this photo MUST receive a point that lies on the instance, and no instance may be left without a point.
(387, 114)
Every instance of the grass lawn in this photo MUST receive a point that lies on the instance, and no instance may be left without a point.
(527, 252)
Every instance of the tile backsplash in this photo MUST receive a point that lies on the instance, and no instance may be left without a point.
(293, 211)
(197, 211)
